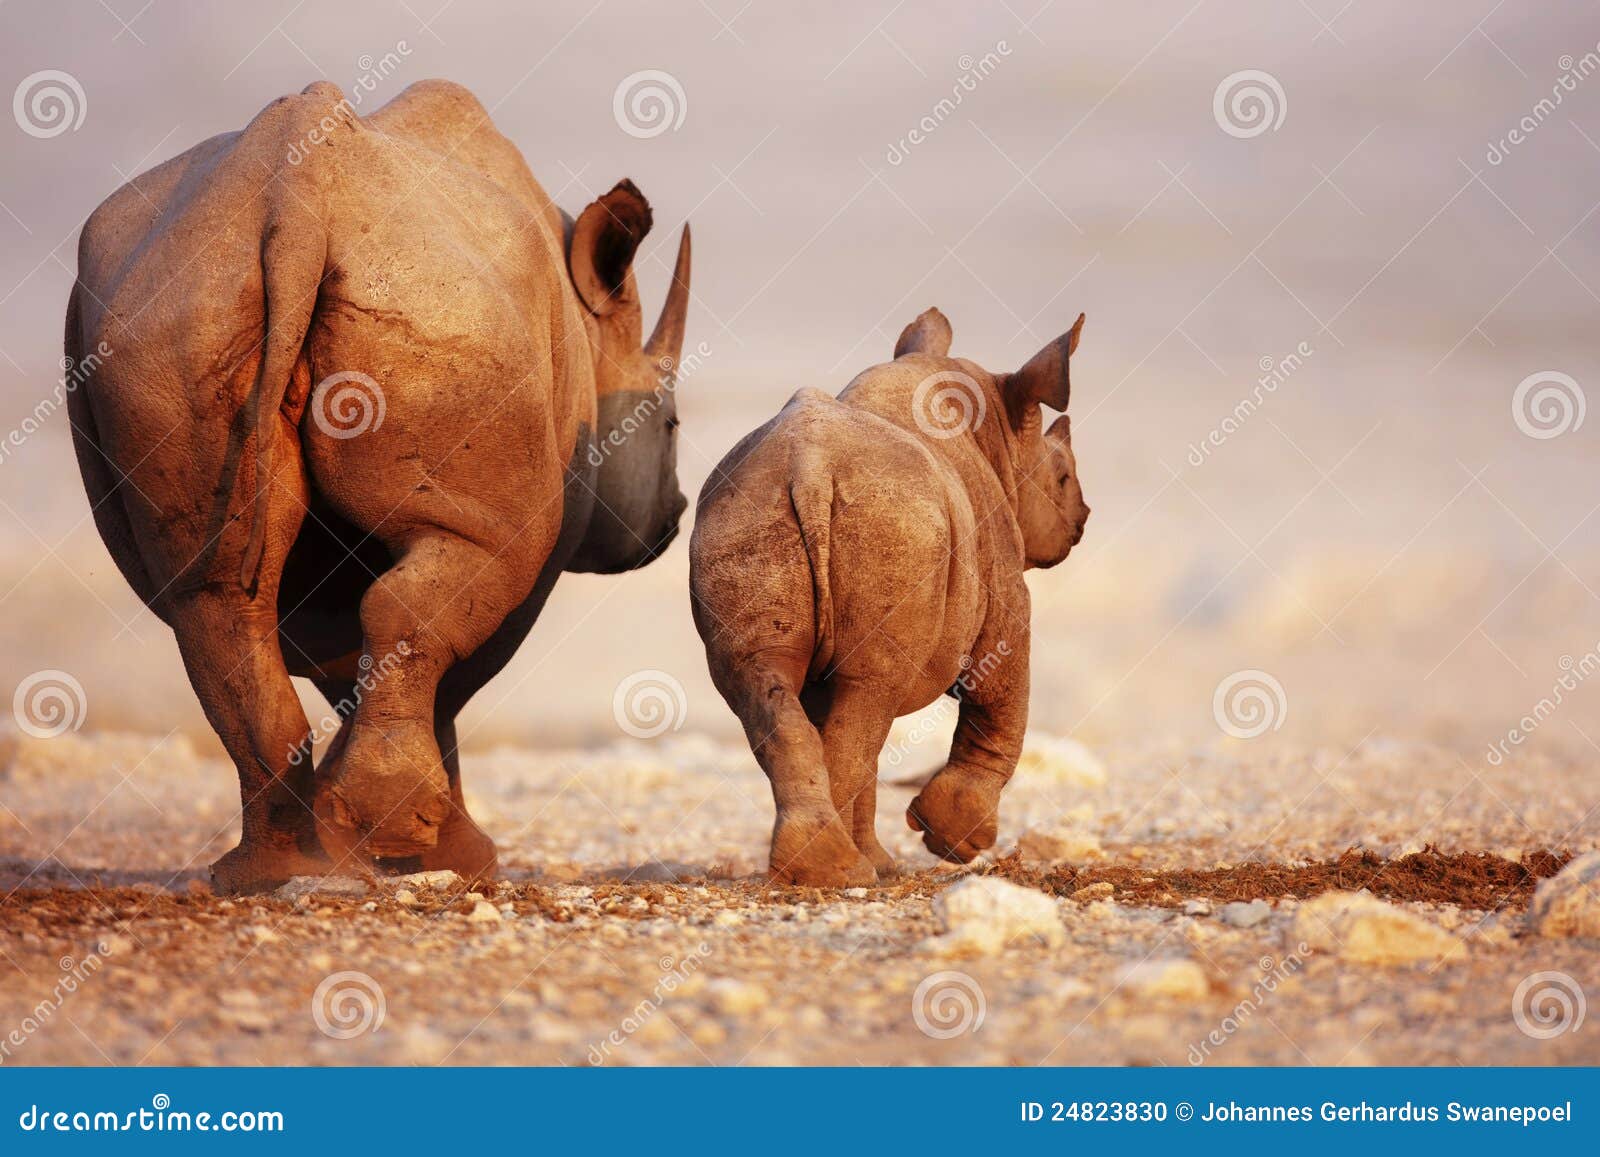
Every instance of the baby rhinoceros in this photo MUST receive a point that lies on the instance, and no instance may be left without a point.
(857, 557)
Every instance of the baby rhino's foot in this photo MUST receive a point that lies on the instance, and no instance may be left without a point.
(813, 849)
(958, 813)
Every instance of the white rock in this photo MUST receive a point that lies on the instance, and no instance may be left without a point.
(983, 915)
(1165, 979)
(1055, 759)
(484, 912)
(1241, 915)
(406, 898)
(1197, 907)
(1358, 927)
(299, 886)
(737, 997)
(442, 880)
(1568, 903)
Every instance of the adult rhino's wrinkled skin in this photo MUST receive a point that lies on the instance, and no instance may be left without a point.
(345, 429)
(859, 556)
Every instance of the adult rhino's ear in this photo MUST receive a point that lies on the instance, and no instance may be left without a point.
(1045, 380)
(929, 334)
(604, 240)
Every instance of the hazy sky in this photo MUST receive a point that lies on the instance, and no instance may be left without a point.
(848, 164)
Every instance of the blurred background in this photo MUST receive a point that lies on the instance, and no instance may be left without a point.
(1392, 215)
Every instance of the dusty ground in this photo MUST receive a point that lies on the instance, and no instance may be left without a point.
(634, 906)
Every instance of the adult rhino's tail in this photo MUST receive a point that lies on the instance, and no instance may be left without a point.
(293, 253)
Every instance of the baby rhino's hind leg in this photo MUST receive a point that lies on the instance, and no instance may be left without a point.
(810, 844)
(854, 719)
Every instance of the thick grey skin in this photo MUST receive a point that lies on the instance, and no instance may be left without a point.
(848, 566)
(415, 247)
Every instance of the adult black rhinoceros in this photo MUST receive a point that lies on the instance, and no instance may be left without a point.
(363, 394)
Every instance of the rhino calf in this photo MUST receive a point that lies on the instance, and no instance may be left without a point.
(857, 557)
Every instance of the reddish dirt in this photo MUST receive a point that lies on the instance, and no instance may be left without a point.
(1477, 880)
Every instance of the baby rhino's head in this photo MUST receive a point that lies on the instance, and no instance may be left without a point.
(1048, 498)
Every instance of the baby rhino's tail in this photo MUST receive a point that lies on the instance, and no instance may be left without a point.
(811, 495)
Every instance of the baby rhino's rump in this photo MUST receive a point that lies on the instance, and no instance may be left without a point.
(836, 543)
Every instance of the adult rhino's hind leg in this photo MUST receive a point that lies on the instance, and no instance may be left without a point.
(229, 645)
(388, 794)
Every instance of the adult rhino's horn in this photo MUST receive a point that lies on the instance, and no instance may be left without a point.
(667, 340)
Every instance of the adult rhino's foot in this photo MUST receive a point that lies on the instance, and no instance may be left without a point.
(813, 849)
(464, 849)
(255, 866)
(385, 795)
(958, 813)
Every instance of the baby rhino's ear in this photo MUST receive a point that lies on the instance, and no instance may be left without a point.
(929, 334)
(1045, 380)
